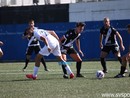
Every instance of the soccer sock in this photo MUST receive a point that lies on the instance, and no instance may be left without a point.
(68, 69)
(120, 60)
(43, 62)
(78, 66)
(129, 65)
(35, 71)
(64, 70)
(103, 63)
(26, 63)
(122, 70)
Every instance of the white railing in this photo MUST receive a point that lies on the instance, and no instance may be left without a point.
(41, 2)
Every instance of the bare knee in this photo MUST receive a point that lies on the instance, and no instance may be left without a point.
(124, 59)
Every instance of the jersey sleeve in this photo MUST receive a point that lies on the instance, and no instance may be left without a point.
(37, 35)
(114, 30)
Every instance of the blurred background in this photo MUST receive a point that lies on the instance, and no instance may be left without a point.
(60, 15)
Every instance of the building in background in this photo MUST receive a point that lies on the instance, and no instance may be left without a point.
(42, 2)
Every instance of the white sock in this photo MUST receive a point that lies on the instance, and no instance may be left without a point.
(35, 71)
(68, 69)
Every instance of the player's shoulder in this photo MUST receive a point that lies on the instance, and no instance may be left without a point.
(114, 29)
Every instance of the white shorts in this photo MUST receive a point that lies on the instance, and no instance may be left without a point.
(55, 50)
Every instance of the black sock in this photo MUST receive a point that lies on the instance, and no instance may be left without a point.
(26, 63)
(64, 70)
(120, 60)
(43, 62)
(122, 70)
(78, 66)
(129, 65)
(103, 63)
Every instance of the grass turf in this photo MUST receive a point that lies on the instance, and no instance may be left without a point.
(14, 84)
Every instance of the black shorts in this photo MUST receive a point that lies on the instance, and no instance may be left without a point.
(32, 49)
(68, 50)
(114, 49)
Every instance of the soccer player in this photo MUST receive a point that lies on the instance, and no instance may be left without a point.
(110, 44)
(67, 40)
(33, 46)
(51, 41)
(125, 59)
(1, 52)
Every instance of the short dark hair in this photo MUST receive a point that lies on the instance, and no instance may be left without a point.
(128, 26)
(25, 31)
(80, 24)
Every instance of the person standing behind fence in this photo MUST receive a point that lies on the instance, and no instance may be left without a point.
(110, 44)
(33, 46)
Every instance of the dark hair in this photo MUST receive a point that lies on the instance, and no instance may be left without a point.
(128, 26)
(25, 31)
(80, 24)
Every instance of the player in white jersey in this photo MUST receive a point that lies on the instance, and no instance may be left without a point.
(1, 52)
(51, 41)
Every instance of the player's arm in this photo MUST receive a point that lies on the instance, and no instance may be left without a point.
(46, 42)
(62, 39)
(54, 34)
(120, 39)
(100, 40)
(78, 46)
(1, 43)
(129, 49)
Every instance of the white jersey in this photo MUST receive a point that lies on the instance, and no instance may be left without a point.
(40, 32)
(52, 42)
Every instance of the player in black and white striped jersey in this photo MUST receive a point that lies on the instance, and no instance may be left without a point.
(33, 46)
(111, 44)
(67, 40)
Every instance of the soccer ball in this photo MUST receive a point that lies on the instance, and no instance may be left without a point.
(100, 74)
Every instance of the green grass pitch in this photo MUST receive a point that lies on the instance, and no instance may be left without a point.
(14, 84)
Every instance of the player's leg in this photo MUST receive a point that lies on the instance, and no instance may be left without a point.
(103, 61)
(57, 53)
(63, 67)
(122, 61)
(36, 67)
(29, 52)
(1, 52)
(37, 49)
(75, 56)
(26, 61)
(42, 52)
(123, 67)
(116, 51)
(64, 63)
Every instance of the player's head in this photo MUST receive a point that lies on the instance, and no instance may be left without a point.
(31, 23)
(29, 30)
(128, 28)
(80, 27)
(106, 22)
